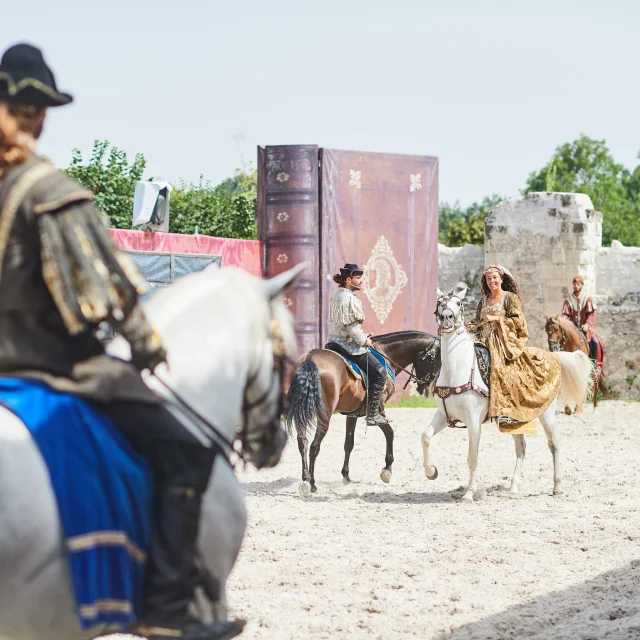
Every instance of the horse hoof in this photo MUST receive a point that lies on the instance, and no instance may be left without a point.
(434, 476)
(467, 497)
(558, 492)
(567, 411)
(346, 479)
(304, 489)
(314, 488)
(385, 475)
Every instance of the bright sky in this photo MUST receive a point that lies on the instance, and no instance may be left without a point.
(490, 87)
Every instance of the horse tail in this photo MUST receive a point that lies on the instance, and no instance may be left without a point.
(304, 400)
(578, 375)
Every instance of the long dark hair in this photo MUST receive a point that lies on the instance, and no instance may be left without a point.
(508, 284)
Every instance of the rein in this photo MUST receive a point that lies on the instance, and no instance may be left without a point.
(559, 344)
(209, 430)
(411, 374)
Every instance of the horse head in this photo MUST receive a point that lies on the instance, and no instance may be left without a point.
(262, 437)
(450, 309)
(556, 336)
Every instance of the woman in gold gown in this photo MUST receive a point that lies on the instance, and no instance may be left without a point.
(524, 380)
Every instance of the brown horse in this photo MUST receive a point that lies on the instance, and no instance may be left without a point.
(322, 384)
(563, 335)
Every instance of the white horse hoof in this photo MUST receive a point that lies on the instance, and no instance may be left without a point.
(385, 475)
(557, 491)
(434, 476)
(467, 497)
(305, 489)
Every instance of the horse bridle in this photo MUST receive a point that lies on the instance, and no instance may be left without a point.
(445, 298)
(557, 344)
(211, 432)
(280, 358)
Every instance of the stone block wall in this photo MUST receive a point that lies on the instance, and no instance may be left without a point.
(618, 316)
(461, 264)
(544, 239)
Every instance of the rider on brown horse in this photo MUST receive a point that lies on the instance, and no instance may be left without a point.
(347, 338)
(580, 308)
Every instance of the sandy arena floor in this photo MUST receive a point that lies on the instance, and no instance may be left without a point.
(408, 560)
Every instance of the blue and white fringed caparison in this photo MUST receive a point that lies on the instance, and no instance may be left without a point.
(104, 491)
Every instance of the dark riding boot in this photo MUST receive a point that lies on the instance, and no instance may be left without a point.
(593, 349)
(172, 573)
(374, 416)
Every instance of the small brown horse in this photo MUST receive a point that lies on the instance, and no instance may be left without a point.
(322, 384)
(563, 335)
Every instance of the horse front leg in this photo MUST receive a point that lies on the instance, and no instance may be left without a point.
(521, 450)
(348, 446)
(548, 420)
(438, 423)
(385, 474)
(474, 428)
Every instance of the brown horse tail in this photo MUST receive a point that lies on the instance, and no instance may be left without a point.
(304, 403)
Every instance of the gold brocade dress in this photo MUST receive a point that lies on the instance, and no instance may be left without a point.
(524, 380)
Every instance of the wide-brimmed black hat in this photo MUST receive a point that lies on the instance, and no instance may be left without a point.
(350, 269)
(25, 78)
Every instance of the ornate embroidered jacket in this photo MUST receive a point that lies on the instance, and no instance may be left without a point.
(345, 322)
(60, 276)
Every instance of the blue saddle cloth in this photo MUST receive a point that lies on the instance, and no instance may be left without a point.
(363, 374)
(103, 489)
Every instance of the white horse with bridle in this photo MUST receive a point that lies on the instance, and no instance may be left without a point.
(460, 372)
(226, 333)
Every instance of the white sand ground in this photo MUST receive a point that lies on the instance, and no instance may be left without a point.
(408, 560)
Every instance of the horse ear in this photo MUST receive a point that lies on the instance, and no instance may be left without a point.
(439, 293)
(460, 290)
(276, 285)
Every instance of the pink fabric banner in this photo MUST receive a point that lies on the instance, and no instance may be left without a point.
(246, 254)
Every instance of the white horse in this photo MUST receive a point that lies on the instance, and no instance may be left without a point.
(220, 327)
(470, 407)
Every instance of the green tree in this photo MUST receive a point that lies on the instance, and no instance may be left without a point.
(587, 166)
(112, 182)
(227, 210)
(459, 226)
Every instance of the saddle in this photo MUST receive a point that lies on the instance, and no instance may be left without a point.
(361, 375)
(482, 356)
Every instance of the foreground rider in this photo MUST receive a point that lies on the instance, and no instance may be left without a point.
(580, 308)
(60, 276)
(524, 380)
(347, 337)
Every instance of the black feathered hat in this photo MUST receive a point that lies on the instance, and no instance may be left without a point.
(350, 270)
(25, 78)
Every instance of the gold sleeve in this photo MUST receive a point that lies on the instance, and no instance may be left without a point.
(92, 281)
(513, 327)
